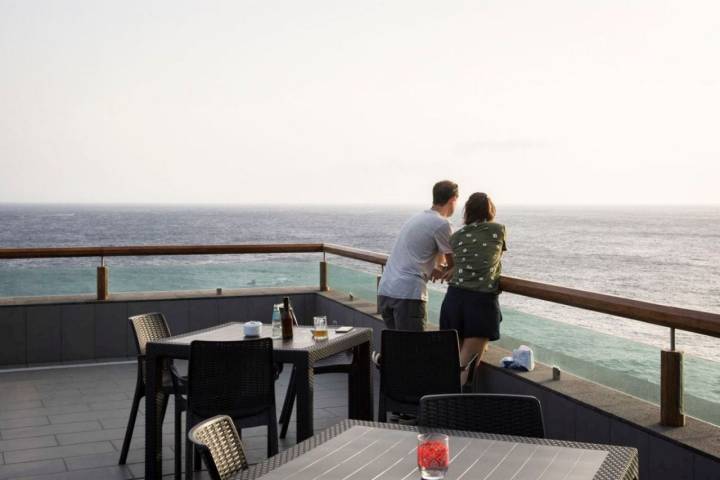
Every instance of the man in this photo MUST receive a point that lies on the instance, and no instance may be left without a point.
(421, 252)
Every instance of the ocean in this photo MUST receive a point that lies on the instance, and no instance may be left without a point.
(666, 255)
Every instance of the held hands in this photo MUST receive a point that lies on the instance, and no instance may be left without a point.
(443, 274)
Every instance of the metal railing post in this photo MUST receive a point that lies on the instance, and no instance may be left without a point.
(103, 275)
(671, 386)
(323, 276)
(377, 290)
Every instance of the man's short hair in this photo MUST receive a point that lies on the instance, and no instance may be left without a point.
(443, 191)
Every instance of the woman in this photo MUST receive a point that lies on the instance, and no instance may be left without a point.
(471, 304)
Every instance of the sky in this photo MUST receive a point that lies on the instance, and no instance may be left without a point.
(366, 102)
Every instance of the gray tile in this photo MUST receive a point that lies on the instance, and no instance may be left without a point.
(203, 314)
(117, 472)
(110, 459)
(44, 335)
(57, 452)
(27, 443)
(13, 341)
(94, 436)
(33, 468)
(121, 422)
(8, 405)
(23, 422)
(78, 332)
(89, 416)
(80, 398)
(37, 412)
(50, 429)
(111, 330)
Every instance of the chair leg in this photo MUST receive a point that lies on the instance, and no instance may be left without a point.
(288, 404)
(272, 434)
(189, 448)
(382, 410)
(197, 463)
(178, 438)
(139, 393)
(166, 399)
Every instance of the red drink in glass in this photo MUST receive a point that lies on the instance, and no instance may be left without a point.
(433, 455)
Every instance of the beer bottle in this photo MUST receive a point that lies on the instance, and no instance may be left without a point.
(286, 320)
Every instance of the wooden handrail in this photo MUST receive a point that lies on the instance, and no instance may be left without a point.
(673, 317)
(356, 253)
(146, 250)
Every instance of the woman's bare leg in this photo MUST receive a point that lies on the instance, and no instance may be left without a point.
(469, 347)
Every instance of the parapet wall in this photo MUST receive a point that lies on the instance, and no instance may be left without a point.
(42, 330)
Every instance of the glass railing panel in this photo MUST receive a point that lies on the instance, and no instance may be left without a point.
(362, 284)
(78, 276)
(247, 273)
(702, 385)
(38, 277)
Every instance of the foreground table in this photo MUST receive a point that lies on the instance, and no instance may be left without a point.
(354, 450)
(302, 351)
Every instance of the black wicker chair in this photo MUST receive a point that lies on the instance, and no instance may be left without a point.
(519, 415)
(147, 328)
(415, 364)
(236, 379)
(340, 363)
(220, 446)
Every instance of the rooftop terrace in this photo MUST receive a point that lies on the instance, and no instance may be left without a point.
(69, 423)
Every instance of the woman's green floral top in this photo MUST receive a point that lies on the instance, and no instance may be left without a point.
(477, 249)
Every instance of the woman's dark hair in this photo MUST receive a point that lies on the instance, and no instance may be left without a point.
(479, 208)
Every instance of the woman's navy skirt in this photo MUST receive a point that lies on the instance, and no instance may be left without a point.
(472, 314)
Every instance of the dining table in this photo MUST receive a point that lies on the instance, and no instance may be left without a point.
(302, 352)
(355, 450)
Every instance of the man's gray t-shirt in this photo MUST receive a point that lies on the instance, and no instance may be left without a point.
(413, 256)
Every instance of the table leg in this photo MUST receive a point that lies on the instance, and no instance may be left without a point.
(154, 400)
(304, 381)
(360, 401)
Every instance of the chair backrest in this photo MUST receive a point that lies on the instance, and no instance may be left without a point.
(220, 445)
(147, 328)
(414, 364)
(235, 378)
(519, 415)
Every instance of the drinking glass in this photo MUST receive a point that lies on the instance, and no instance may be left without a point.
(433, 455)
(276, 324)
(320, 332)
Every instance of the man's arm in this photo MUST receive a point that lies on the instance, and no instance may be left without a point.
(445, 261)
(449, 269)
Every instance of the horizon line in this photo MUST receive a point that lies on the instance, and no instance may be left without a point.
(357, 204)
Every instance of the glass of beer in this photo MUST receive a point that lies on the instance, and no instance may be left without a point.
(320, 332)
